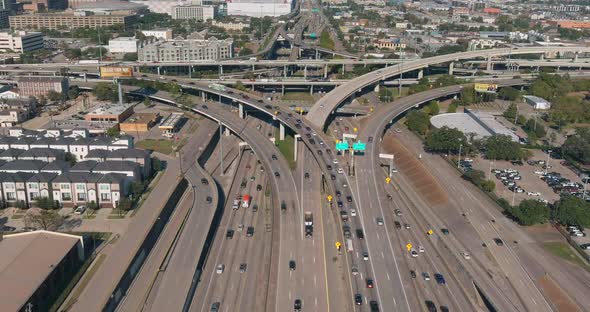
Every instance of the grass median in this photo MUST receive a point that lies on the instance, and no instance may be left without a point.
(565, 252)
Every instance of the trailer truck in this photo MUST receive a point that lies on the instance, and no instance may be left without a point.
(246, 201)
(308, 219)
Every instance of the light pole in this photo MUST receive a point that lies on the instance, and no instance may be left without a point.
(513, 194)
(459, 162)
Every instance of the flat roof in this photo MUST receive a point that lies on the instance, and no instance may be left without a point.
(109, 109)
(536, 99)
(460, 121)
(141, 118)
(170, 121)
(26, 259)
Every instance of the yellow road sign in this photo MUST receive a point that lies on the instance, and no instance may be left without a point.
(429, 232)
(329, 197)
(409, 246)
(387, 180)
(371, 109)
(355, 129)
(337, 141)
(338, 244)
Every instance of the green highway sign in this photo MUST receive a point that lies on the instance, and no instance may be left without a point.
(359, 146)
(342, 146)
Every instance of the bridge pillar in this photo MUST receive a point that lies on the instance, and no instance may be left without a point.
(311, 90)
(538, 68)
(343, 69)
(558, 67)
(420, 74)
(85, 77)
(377, 87)
(297, 136)
(542, 56)
(285, 71)
(281, 131)
(204, 96)
(575, 56)
(252, 87)
(226, 131)
(305, 72)
(241, 110)
(317, 54)
(190, 71)
(220, 70)
(159, 70)
(299, 50)
(326, 71)
(489, 63)
(451, 68)
(282, 89)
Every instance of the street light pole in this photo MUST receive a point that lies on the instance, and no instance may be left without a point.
(459, 162)
(221, 146)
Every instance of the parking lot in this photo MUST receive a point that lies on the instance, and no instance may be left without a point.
(530, 182)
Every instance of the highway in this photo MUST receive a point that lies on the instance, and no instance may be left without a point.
(323, 108)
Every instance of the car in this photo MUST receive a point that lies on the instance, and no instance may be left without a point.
(533, 194)
(439, 278)
(407, 226)
(329, 151)
(349, 199)
(370, 283)
(204, 181)
(268, 106)
(426, 276)
(7, 228)
(445, 231)
(220, 268)
(80, 210)
(250, 231)
(414, 253)
(421, 249)
(498, 242)
(397, 212)
(297, 305)
(311, 141)
(335, 161)
(329, 167)
(277, 174)
(259, 101)
(465, 255)
(358, 299)
(412, 274)
(366, 255)
(340, 170)
(259, 187)
(397, 225)
(340, 204)
(320, 153)
(539, 172)
(430, 306)
(215, 307)
(338, 193)
(360, 234)
(274, 157)
(444, 309)
(578, 234)
(585, 246)
(374, 306)
(354, 270)
(333, 177)
(306, 175)
(243, 267)
(205, 107)
(352, 212)
(292, 265)
(370, 139)
(208, 199)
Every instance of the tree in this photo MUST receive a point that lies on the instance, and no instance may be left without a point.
(509, 93)
(113, 132)
(245, 51)
(529, 212)
(74, 92)
(48, 220)
(124, 204)
(501, 147)
(53, 95)
(42, 100)
(418, 121)
(468, 96)
(488, 186)
(73, 53)
(445, 140)
(45, 203)
(105, 91)
(71, 158)
(130, 57)
(510, 112)
(92, 206)
(432, 108)
(577, 146)
(137, 188)
(156, 164)
(147, 102)
(534, 129)
(573, 210)
(453, 107)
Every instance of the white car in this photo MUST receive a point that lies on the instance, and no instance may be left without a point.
(414, 253)
(421, 248)
(352, 212)
(533, 194)
(467, 160)
(466, 255)
(578, 234)
(220, 268)
(335, 161)
(398, 130)
(539, 172)
(340, 170)
(80, 210)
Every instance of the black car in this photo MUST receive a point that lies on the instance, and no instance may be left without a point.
(329, 151)
(358, 299)
(209, 199)
(292, 265)
(340, 204)
(259, 187)
(267, 106)
(360, 234)
(370, 139)
(445, 231)
(204, 181)
(306, 175)
(338, 193)
(329, 167)
(444, 309)
(413, 273)
(374, 306)
(333, 177)
(308, 128)
(277, 174)
(320, 152)
(308, 135)
(439, 278)
(250, 231)
(229, 234)
(430, 306)
(215, 306)
(274, 157)
(397, 225)
(230, 92)
(297, 305)
(370, 283)
(259, 101)
(311, 141)
(205, 107)
(498, 242)
(349, 199)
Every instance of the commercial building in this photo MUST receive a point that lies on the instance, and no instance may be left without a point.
(193, 12)
(4, 22)
(165, 34)
(573, 24)
(21, 41)
(112, 7)
(123, 45)
(260, 8)
(45, 5)
(7, 4)
(165, 6)
(391, 44)
(35, 267)
(110, 113)
(537, 102)
(40, 85)
(139, 122)
(481, 124)
(186, 50)
(59, 21)
(231, 25)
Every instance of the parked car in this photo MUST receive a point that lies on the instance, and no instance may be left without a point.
(80, 210)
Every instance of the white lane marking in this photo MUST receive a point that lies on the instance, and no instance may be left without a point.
(388, 277)
(314, 259)
(378, 237)
(316, 301)
(382, 255)
(315, 280)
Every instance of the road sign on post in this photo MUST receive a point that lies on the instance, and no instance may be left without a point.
(329, 198)
(342, 146)
(429, 232)
(359, 146)
(387, 180)
(338, 245)
(409, 246)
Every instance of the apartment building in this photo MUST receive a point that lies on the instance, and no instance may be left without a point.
(138, 156)
(165, 34)
(193, 12)
(21, 41)
(186, 50)
(58, 21)
(41, 85)
(80, 188)
(231, 25)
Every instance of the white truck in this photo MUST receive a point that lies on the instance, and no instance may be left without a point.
(236, 204)
(308, 219)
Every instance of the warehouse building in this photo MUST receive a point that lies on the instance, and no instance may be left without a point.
(537, 102)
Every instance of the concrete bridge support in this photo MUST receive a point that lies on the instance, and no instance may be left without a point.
(326, 71)
(295, 145)
(241, 110)
(159, 68)
(281, 131)
(575, 56)
(85, 77)
(285, 71)
(542, 57)
(420, 74)
(489, 64)
(305, 72)
(451, 68)
(317, 54)
(220, 70)
(377, 87)
(311, 90)
(282, 89)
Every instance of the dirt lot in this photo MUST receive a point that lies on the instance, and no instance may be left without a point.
(530, 182)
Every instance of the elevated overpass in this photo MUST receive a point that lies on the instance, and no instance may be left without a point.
(323, 108)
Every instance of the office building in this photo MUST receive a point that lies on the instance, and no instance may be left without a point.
(21, 41)
(7, 4)
(186, 50)
(123, 45)
(36, 267)
(231, 25)
(165, 6)
(45, 5)
(60, 21)
(193, 12)
(40, 85)
(4, 21)
(110, 113)
(165, 34)
(260, 8)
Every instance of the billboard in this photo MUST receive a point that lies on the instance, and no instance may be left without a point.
(115, 72)
(486, 87)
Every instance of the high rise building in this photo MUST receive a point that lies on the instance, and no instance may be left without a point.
(193, 12)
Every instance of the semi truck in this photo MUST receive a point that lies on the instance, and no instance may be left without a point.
(308, 219)
(349, 246)
(246, 201)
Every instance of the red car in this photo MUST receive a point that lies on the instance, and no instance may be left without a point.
(369, 283)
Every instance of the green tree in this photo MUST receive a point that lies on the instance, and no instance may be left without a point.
(534, 129)
(418, 121)
(45, 203)
(124, 204)
(509, 93)
(105, 91)
(147, 102)
(48, 220)
(530, 212)
(510, 112)
(137, 188)
(73, 54)
(445, 140)
(468, 96)
(501, 147)
(73, 92)
(326, 41)
(432, 108)
(70, 158)
(577, 146)
(488, 186)
(156, 164)
(42, 100)
(573, 210)
(113, 132)
(453, 107)
(130, 57)
(245, 51)
(53, 95)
